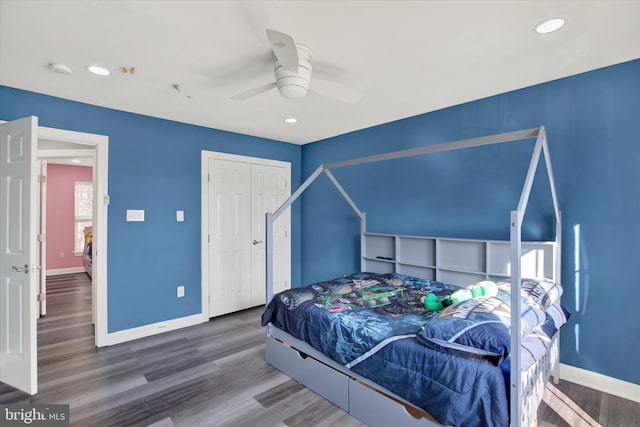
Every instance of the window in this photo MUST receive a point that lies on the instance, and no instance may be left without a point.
(83, 211)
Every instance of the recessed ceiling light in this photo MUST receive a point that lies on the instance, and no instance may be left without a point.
(98, 70)
(291, 120)
(75, 161)
(549, 25)
(60, 68)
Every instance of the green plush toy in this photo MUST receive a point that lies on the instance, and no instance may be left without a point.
(485, 288)
(432, 302)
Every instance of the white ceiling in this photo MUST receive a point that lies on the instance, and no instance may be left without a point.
(407, 57)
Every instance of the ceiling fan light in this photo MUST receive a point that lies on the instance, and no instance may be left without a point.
(292, 91)
(293, 85)
(549, 25)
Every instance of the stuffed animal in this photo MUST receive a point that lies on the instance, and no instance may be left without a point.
(485, 288)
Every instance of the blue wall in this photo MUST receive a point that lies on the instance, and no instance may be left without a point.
(154, 165)
(591, 121)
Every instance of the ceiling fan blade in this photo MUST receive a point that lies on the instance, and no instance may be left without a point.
(284, 48)
(335, 90)
(255, 91)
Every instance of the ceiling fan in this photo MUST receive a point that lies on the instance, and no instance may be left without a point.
(293, 74)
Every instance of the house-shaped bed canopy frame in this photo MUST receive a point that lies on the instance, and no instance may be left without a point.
(515, 226)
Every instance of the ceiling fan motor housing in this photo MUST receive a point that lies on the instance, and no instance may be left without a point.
(295, 84)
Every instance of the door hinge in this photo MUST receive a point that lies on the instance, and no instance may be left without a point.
(208, 238)
(41, 297)
(42, 179)
(41, 237)
(208, 177)
(107, 200)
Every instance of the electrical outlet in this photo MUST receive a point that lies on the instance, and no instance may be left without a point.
(180, 291)
(61, 255)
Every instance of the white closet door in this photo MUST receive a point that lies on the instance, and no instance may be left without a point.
(239, 192)
(269, 189)
(230, 233)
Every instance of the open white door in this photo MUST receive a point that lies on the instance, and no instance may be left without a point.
(18, 270)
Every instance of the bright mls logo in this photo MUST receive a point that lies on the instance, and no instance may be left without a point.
(34, 415)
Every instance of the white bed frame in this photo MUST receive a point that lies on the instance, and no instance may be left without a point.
(371, 403)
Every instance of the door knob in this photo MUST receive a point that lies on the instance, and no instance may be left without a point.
(255, 242)
(24, 269)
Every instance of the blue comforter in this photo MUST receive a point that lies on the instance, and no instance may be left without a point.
(368, 322)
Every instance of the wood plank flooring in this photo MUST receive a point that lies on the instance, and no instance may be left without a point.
(212, 374)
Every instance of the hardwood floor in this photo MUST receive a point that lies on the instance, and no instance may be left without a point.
(211, 374)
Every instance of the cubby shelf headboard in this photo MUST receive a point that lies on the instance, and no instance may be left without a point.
(461, 262)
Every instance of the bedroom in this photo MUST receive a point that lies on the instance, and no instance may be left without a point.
(154, 165)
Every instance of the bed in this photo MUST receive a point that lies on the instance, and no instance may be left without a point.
(377, 326)
(415, 374)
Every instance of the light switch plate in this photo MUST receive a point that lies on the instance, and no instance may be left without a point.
(135, 215)
(179, 216)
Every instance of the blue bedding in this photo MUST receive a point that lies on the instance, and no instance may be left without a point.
(454, 390)
(368, 322)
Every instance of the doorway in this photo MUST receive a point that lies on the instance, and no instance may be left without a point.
(64, 145)
(66, 206)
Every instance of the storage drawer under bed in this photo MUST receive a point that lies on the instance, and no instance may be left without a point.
(327, 382)
(376, 409)
(351, 394)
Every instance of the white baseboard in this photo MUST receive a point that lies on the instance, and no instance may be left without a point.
(69, 270)
(600, 382)
(152, 329)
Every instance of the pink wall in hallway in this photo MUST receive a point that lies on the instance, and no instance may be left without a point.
(60, 215)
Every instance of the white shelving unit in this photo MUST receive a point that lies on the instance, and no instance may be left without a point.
(460, 262)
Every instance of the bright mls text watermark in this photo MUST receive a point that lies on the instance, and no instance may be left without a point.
(34, 415)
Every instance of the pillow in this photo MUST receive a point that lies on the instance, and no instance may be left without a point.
(478, 327)
(534, 347)
(541, 292)
(536, 344)
(557, 316)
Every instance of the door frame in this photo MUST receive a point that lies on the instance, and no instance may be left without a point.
(204, 208)
(41, 228)
(101, 198)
